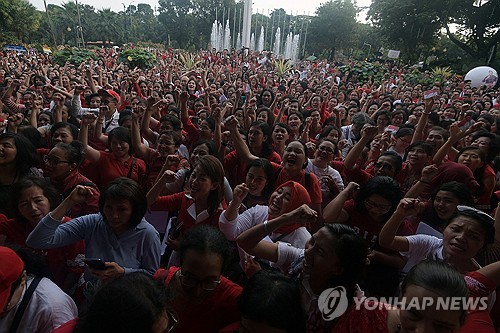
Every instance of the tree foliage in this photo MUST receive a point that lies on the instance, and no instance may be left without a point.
(333, 26)
(18, 18)
(413, 25)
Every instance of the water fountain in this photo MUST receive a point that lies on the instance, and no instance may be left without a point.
(238, 41)
(252, 42)
(277, 42)
(227, 37)
(291, 50)
(260, 43)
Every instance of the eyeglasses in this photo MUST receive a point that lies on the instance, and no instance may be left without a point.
(191, 282)
(53, 160)
(477, 213)
(324, 149)
(372, 205)
(106, 101)
(173, 321)
(385, 166)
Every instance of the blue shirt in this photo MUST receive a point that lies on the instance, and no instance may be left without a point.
(137, 249)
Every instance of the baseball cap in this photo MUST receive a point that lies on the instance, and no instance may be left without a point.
(11, 267)
(109, 92)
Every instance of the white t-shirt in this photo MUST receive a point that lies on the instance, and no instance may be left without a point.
(49, 307)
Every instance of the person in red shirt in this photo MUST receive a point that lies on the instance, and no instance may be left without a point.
(119, 162)
(204, 300)
(201, 204)
(34, 198)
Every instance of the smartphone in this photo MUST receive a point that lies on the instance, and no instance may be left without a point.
(430, 93)
(175, 228)
(95, 263)
(463, 123)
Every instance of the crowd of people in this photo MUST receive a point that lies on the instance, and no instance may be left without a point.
(228, 196)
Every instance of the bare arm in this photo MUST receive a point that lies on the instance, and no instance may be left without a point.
(251, 240)
(239, 145)
(90, 153)
(422, 122)
(334, 212)
(140, 149)
(387, 237)
(367, 134)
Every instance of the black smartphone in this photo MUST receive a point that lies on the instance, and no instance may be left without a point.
(95, 263)
(175, 228)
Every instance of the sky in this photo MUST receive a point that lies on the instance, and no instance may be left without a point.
(261, 6)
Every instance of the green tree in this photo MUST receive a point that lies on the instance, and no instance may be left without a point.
(332, 27)
(414, 25)
(19, 18)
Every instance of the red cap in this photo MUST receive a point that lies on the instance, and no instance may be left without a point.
(11, 268)
(109, 92)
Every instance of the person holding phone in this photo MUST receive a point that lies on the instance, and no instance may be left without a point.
(118, 235)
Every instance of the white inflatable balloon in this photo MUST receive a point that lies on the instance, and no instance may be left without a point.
(482, 75)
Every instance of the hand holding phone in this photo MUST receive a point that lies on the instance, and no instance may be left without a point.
(95, 263)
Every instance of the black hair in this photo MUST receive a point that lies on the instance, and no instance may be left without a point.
(270, 114)
(486, 224)
(326, 131)
(211, 123)
(124, 116)
(459, 190)
(438, 277)
(129, 304)
(122, 134)
(176, 123)
(265, 165)
(274, 299)
(33, 135)
(420, 144)
(384, 186)
(306, 151)
(214, 170)
(72, 128)
(267, 146)
(494, 144)
(89, 97)
(124, 188)
(283, 125)
(212, 148)
(177, 138)
(26, 156)
(207, 239)
(74, 151)
(351, 251)
(32, 181)
(321, 140)
(259, 101)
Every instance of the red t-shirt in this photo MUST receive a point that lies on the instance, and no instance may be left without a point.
(112, 168)
(61, 261)
(313, 186)
(214, 313)
(180, 202)
(236, 169)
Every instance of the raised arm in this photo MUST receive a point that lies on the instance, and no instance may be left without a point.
(367, 134)
(45, 234)
(155, 191)
(140, 149)
(90, 153)
(418, 135)
(251, 240)
(387, 237)
(334, 212)
(239, 145)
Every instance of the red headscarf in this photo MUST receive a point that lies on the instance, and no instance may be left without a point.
(299, 197)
